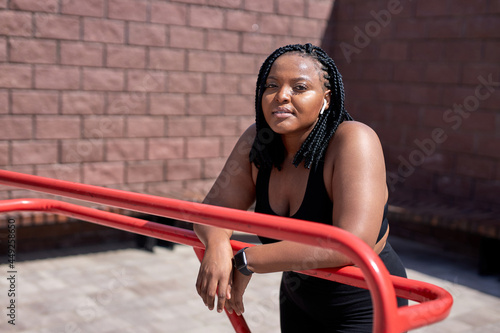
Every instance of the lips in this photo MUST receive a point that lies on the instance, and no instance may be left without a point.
(282, 111)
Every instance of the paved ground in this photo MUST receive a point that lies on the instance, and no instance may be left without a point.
(128, 290)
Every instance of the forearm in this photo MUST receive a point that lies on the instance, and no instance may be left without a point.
(291, 256)
(211, 236)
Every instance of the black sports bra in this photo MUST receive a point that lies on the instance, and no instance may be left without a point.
(316, 205)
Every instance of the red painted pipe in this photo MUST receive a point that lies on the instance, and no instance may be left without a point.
(387, 317)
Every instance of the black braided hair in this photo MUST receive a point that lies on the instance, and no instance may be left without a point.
(268, 150)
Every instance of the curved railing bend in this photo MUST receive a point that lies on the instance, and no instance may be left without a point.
(435, 302)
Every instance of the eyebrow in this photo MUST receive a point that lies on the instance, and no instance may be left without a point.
(300, 78)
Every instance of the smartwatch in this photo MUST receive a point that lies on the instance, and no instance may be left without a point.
(240, 262)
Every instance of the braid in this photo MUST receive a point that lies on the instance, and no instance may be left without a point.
(268, 150)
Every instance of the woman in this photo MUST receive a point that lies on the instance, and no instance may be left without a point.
(307, 159)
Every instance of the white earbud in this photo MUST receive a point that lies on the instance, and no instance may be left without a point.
(324, 107)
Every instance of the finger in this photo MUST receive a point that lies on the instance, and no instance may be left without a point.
(221, 296)
(210, 295)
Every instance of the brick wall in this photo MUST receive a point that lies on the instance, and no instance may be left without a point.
(141, 95)
(426, 76)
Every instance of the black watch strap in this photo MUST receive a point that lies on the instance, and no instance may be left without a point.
(240, 262)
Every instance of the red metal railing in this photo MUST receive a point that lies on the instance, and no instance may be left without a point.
(435, 302)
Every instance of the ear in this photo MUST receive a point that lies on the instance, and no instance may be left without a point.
(326, 96)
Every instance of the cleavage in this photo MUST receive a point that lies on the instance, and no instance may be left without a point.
(287, 189)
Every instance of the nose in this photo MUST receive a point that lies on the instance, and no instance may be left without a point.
(283, 95)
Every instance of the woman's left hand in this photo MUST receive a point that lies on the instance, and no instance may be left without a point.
(239, 284)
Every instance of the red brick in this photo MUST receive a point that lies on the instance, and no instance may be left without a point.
(55, 26)
(183, 169)
(241, 20)
(445, 28)
(127, 10)
(104, 31)
(454, 50)
(4, 153)
(184, 37)
(15, 23)
(126, 56)
(393, 50)
(442, 73)
(165, 148)
(82, 103)
(16, 127)
(49, 6)
(168, 104)
(83, 8)
(67, 172)
(34, 152)
(291, 7)
(206, 17)
(240, 64)
(256, 43)
(99, 127)
(199, 2)
(487, 145)
(57, 127)
(167, 59)
(3, 49)
(492, 50)
(185, 126)
(15, 76)
(77, 151)
(475, 166)
(4, 102)
(147, 34)
(223, 41)
(238, 105)
(182, 82)
(221, 126)
(228, 81)
(3, 4)
(145, 81)
(410, 28)
(319, 9)
(459, 142)
(265, 6)
(228, 143)
(482, 27)
(275, 25)
(52, 77)
(125, 149)
(204, 61)
(203, 147)
(106, 173)
(392, 92)
(247, 84)
(465, 7)
(225, 3)
(205, 105)
(127, 103)
(35, 102)
(140, 172)
(147, 126)
(427, 50)
(81, 54)
(32, 51)
(213, 167)
(472, 72)
(432, 8)
(103, 79)
(482, 122)
(169, 13)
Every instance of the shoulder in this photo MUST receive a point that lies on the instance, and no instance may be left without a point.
(353, 138)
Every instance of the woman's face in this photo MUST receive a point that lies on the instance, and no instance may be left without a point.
(294, 95)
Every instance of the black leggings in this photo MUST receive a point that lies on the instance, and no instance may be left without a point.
(309, 304)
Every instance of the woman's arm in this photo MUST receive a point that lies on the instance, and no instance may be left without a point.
(359, 191)
(234, 188)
